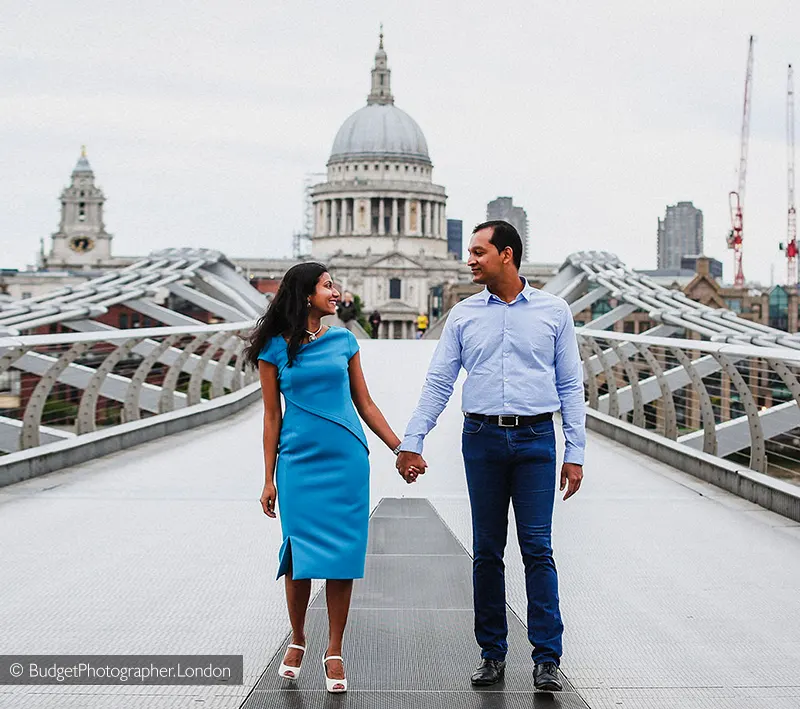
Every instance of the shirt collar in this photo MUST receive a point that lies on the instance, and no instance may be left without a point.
(527, 292)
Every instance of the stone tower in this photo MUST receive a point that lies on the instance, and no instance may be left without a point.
(81, 239)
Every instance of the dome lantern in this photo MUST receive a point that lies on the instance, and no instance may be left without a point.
(381, 92)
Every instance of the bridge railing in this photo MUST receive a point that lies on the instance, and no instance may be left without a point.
(735, 401)
(54, 387)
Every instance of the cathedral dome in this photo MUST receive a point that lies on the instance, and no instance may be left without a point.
(380, 131)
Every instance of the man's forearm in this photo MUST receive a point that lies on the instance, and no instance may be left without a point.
(573, 421)
(433, 400)
(437, 390)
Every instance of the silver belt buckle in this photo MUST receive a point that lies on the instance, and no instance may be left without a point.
(507, 425)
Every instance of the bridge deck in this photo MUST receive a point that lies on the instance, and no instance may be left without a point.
(410, 638)
(673, 593)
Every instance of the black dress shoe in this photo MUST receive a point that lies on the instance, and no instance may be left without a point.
(545, 677)
(488, 672)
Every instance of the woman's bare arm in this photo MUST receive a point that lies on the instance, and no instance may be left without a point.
(366, 407)
(271, 396)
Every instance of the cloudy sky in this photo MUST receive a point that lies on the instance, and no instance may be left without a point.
(202, 118)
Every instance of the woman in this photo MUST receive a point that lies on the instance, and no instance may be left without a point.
(322, 472)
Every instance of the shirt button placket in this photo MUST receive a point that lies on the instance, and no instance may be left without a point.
(505, 355)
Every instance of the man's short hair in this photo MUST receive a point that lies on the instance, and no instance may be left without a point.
(504, 235)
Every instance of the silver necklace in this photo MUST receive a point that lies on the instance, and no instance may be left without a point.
(313, 335)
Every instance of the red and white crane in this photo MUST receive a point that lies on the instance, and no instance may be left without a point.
(791, 223)
(736, 199)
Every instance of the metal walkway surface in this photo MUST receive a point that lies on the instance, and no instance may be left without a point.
(409, 640)
(674, 594)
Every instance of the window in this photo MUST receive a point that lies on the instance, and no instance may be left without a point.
(377, 167)
(26, 294)
(600, 307)
(394, 288)
(778, 301)
(375, 206)
(123, 321)
(779, 308)
(397, 168)
(734, 304)
(11, 382)
(381, 79)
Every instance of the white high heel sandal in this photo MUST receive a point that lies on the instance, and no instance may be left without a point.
(330, 684)
(288, 671)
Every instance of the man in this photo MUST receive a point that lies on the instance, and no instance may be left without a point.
(375, 323)
(422, 325)
(519, 348)
(346, 308)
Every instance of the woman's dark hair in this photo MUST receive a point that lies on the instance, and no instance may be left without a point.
(288, 312)
(504, 235)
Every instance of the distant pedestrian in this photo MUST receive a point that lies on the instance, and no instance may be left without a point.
(422, 325)
(375, 323)
(346, 308)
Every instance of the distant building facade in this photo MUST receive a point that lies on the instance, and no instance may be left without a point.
(680, 234)
(503, 208)
(455, 238)
(686, 271)
(714, 265)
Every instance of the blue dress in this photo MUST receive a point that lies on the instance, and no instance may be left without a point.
(322, 473)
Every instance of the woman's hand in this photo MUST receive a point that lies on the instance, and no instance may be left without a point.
(268, 497)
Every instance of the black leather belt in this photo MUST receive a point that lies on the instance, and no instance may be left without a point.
(511, 421)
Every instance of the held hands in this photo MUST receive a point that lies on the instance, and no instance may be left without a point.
(571, 477)
(410, 465)
(268, 497)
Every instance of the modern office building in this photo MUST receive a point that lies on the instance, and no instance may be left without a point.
(680, 234)
(455, 237)
(503, 208)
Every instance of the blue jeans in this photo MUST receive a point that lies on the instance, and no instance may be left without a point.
(518, 465)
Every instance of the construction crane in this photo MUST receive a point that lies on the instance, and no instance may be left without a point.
(301, 240)
(736, 199)
(791, 223)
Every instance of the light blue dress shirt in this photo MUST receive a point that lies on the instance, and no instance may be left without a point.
(521, 358)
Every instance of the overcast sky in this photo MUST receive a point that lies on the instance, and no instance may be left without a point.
(202, 118)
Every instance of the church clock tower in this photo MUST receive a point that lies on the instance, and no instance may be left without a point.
(81, 239)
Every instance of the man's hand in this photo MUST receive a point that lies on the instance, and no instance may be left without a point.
(410, 465)
(571, 476)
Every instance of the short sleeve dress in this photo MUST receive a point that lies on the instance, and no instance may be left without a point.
(322, 473)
